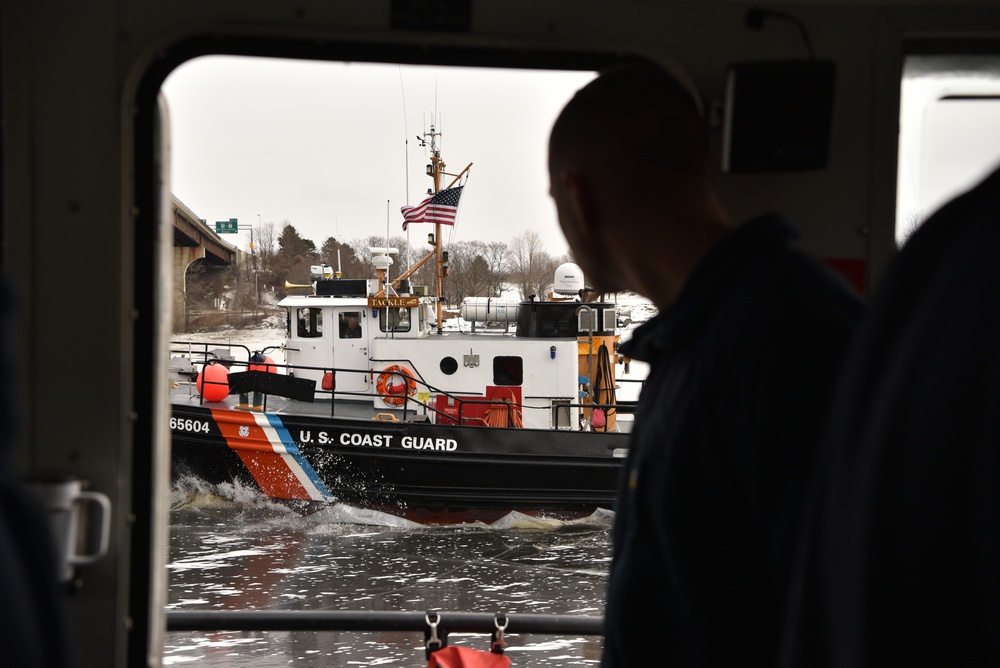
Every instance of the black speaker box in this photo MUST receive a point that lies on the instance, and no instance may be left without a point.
(777, 116)
(347, 287)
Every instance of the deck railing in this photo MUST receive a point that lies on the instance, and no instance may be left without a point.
(201, 353)
(381, 620)
(435, 625)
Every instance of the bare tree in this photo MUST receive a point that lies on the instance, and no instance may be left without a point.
(265, 239)
(476, 268)
(532, 268)
(497, 257)
(469, 272)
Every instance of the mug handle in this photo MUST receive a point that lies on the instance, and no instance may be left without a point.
(103, 504)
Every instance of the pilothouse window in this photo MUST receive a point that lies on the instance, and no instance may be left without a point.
(309, 323)
(350, 325)
(394, 319)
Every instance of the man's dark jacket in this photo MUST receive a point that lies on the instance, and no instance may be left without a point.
(741, 369)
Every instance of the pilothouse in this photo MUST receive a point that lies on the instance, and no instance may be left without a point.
(377, 340)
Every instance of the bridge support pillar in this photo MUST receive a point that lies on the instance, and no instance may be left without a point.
(183, 257)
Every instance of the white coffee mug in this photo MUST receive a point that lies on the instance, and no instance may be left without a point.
(66, 505)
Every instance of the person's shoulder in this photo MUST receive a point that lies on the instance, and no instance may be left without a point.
(789, 293)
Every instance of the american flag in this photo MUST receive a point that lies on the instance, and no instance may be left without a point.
(441, 207)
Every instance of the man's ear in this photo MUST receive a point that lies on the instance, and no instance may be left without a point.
(582, 199)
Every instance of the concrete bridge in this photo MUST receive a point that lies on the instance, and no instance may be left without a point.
(194, 241)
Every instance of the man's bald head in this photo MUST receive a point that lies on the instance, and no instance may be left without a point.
(629, 170)
(633, 125)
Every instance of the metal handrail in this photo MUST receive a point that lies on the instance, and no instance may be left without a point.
(382, 620)
(623, 407)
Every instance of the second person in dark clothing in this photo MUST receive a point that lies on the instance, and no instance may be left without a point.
(743, 355)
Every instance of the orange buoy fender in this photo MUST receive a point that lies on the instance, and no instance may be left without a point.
(213, 382)
(262, 363)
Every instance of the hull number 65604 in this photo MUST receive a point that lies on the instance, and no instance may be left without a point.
(187, 424)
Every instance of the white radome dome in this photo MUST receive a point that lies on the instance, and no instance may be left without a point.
(568, 279)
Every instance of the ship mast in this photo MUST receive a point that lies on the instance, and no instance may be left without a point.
(436, 170)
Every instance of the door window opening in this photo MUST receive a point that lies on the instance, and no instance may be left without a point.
(949, 136)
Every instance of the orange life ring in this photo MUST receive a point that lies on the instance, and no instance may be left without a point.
(391, 393)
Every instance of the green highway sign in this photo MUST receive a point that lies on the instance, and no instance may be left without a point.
(226, 226)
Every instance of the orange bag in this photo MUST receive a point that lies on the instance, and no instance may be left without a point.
(456, 656)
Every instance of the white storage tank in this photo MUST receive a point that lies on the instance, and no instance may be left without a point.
(488, 309)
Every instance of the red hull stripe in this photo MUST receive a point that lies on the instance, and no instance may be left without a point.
(267, 450)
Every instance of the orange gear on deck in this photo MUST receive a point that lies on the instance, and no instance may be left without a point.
(504, 412)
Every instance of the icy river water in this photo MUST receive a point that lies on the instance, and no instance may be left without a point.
(233, 550)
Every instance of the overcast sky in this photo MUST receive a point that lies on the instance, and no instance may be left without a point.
(332, 148)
